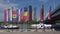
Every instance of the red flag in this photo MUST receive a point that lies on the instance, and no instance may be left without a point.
(42, 12)
(28, 17)
(5, 16)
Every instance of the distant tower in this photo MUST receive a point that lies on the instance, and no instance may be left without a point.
(9, 15)
(30, 11)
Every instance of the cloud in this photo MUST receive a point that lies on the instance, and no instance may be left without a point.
(6, 4)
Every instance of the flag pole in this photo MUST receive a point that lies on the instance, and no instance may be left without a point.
(27, 19)
(12, 18)
(21, 19)
(35, 17)
(17, 16)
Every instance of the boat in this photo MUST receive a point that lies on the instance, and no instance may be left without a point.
(41, 25)
(11, 26)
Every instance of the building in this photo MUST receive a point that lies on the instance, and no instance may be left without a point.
(55, 16)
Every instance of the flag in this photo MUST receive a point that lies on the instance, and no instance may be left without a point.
(14, 16)
(25, 14)
(30, 11)
(28, 17)
(21, 16)
(42, 13)
(35, 17)
(5, 16)
(10, 14)
(17, 12)
(33, 14)
(49, 14)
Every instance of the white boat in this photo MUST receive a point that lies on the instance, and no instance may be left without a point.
(41, 25)
(10, 26)
(47, 25)
(37, 25)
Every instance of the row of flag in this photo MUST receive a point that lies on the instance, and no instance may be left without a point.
(17, 15)
(14, 15)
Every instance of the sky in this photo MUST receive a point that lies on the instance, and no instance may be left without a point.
(4, 4)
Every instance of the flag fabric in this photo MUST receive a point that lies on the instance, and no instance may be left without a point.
(17, 12)
(30, 11)
(14, 16)
(49, 14)
(5, 16)
(35, 17)
(28, 17)
(18, 15)
(10, 14)
(42, 13)
(21, 16)
(25, 14)
(33, 14)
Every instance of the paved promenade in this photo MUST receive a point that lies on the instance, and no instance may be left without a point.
(54, 32)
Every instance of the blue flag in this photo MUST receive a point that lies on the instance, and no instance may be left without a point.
(35, 17)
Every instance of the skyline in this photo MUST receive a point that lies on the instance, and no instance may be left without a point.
(25, 3)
